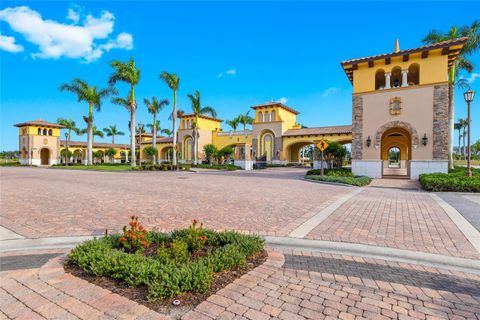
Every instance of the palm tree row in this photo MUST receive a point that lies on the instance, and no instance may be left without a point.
(242, 119)
(461, 126)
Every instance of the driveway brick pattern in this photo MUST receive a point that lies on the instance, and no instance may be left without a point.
(395, 218)
(56, 202)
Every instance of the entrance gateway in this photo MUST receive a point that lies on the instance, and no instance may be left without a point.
(400, 114)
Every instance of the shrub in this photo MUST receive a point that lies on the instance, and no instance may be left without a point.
(334, 172)
(354, 181)
(210, 151)
(228, 167)
(455, 180)
(135, 236)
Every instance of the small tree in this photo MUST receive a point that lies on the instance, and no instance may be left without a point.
(227, 153)
(335, 152)
(110, 153)
(210, 151)
(66, 155)
(150, 151)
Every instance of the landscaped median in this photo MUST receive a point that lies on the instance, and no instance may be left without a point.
(454, 180)
(341, 176)
(154, 268)
(165, 166)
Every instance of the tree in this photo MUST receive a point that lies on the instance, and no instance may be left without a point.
(66, 154)
(93, 97)
(233, 123)
(70, 125)
(335, 152)
(173, 81)
(198, 110)
(210, 151)
(458, 126)
(127, 72)
(461, 63)
(226, 152)
(464, 124)
(168, 132)
(94, 130)
(110, 153)
(154, 107)
(112, 131)
(157, 125)
(245, 119)
(151, 152)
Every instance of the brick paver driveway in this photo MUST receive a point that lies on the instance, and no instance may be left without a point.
(54, 202)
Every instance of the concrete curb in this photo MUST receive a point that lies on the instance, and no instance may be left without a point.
(377, 252)
(42, 243)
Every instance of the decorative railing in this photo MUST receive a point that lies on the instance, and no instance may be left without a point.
(234, 133)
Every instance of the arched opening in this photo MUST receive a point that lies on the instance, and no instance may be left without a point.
(50, 132)
(188, 148)
(266, 116)
(45, 132)
(260, 116)
(413, 74)
(24, 153)
(45, 157)
(39, 131)
(380, 79)
(77, 156)
(267, 145)
(272, 115)
(396, 152)
(396, 77)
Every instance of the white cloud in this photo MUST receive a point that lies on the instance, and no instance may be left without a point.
(327, 92)
(473, 77)
(283, 100)
(230, 72)
(8, 44)
(73, 15)
(55, 39)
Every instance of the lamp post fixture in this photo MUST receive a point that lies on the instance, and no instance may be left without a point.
(66, 148)
(140, 128)
(469, 95)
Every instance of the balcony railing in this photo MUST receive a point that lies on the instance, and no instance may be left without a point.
(234, 133)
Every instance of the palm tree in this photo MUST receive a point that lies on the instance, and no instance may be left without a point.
(127, 72)
(458, 126)
(461, 63)
(168, 132)
(173, 81)
(70, 125)
(233, 123)
(94, 131)
(156, 124)
(245, 119)
(464, 123)
(112, 131)
(93, 97)
(198, 110)
(154, 107)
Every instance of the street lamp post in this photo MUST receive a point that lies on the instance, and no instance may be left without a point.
(469, 95)
(140, 128)
(66, 148)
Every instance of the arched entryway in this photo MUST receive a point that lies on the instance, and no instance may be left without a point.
(188, 149)
(267, 145)
(45, 157)
(396, 152)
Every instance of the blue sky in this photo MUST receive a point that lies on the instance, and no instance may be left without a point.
(263, 51)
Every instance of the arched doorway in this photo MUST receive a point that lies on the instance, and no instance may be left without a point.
(45, 157)
(188, 149)
(396, 152)
(267, 145)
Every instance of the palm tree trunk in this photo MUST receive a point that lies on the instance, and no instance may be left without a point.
(133, 155)
(154, 138)
(195, 145)
(174, 120)
(113, 139)
(451, 121)
(90, 142)
(459, 141)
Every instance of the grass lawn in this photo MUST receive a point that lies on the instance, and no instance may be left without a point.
(9, 162)
(97, 167)
(464, 162)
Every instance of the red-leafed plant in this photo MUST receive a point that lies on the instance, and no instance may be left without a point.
(196, 237)
(135, 236)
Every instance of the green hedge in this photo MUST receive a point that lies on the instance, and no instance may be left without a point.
(455, 180)
(165, 277)
(331, 172)
(354, 181)
(229, 167)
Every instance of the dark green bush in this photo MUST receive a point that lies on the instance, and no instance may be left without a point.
(354, 181)
(229, 167)
(334, 172)
(455, 180)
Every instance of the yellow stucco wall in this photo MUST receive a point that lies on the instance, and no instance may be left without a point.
(33, 130)
(207, 124)
(433, 69)
(223, 139)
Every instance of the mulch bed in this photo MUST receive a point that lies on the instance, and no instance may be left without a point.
(188, 300)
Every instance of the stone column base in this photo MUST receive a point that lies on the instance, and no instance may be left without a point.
(369, 168)
(244, 164)
(54, 161)
(117, 160)
(23, 161)
(316, 164)
(417, 167)
(36, 162)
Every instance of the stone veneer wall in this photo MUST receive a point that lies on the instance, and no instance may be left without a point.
(440, 122)
(357, 127)
(277, 148)
(254, 148)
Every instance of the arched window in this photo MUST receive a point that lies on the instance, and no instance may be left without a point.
(396, 78)
(266, 116)
(413, 74)
(50, 132)
(39, 131)
(45, 132)
(272, 115)
(260, 116)
(380, 79)
(267, 145)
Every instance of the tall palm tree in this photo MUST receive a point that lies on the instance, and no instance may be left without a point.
(156, 125)
(458, 126)
(198, 110)
(173, 81)
(461, 63)
(127, 72)
(93, 97)
(95, 132)
(70, 125)
(233, 123)
(154, 107)
(112, 131)
(168, 132)
(464, 124)
(245, 119)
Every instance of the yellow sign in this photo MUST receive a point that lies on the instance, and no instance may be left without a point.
(176, 147)
(322, 145)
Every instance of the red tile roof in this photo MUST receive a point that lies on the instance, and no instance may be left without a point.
(275, 104)
(39, 123)
(201, 116)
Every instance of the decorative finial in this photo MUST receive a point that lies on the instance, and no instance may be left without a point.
(397, 46)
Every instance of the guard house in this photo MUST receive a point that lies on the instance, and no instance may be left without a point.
(400, 110)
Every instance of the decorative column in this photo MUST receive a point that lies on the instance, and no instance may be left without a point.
(404, 78)
(387, 80)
